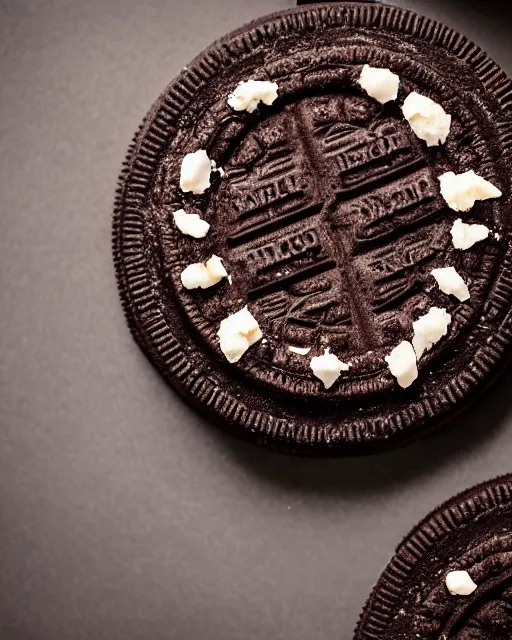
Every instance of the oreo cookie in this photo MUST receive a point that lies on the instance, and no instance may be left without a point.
(451, 578)
(328, 218)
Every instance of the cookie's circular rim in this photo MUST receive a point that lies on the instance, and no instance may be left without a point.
(457, 512)
(156, 338)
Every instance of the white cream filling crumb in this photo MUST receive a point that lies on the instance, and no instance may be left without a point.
(237, 333)
(301, 351)
(428, 120)
(328, 368)
(250, 93)
(219, 170)
(451, 283)
(464, 236)
(459, 583)
(190, 224)
(195, 172)
(463, 190)
(402, 364)
(429, 329)
(381, 84)
(203, 275)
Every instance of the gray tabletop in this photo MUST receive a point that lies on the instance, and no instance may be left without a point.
(124, 514)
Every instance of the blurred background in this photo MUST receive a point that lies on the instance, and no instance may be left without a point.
(123, 514)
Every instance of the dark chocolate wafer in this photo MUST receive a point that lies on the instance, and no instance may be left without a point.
(330, 220)
(451, 578)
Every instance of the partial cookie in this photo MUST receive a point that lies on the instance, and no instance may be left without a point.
(451, 578)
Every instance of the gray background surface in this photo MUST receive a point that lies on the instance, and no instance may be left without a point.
(123, 514)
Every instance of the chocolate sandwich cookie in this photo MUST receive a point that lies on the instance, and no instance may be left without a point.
(289, 239)
(451, 578)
